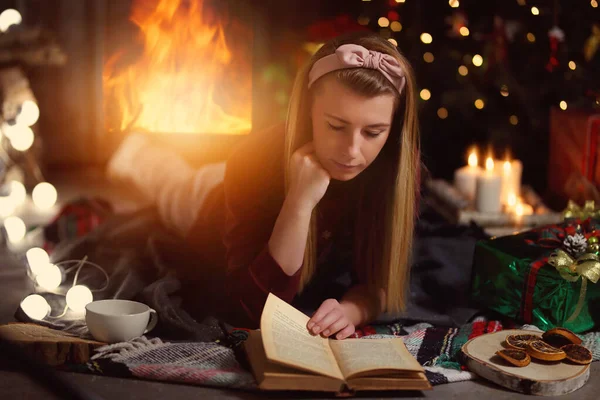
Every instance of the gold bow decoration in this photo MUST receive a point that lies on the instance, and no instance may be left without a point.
(589, 210)
(586, 266)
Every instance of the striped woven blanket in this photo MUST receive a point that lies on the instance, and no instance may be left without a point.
(219, 365)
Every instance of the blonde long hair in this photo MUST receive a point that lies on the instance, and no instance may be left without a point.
(387, 216)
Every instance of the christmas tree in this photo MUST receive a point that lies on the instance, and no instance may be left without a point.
(490, 71)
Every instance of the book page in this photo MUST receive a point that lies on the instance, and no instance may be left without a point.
(287, 340)
(359, 355)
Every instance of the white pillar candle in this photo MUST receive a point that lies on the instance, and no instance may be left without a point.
(465, 178)
(516, 170)
(511, 178)
(489, 189)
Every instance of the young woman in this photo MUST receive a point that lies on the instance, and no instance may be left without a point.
(321, 212)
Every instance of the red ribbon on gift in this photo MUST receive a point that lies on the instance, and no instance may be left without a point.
(550, 237)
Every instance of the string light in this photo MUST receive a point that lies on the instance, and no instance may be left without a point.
(428, 57)
(563, 105)
(531, 37)
(35, 306)
(7, 206)
(393, 41)
(9, 18)
(21, 140)
(572, 65)
(426, 38)
(400, 1)
(28, 114)
(49, 277)
(78, 297)
(396, 26)
(513, 120)
(594, 3)
(535, 11)
(37, 258)
(463, 70)
(383, 22)
(425, 94)
(18, 194)
(15, 229)
(464, 31)
(504, 91)
(454, 3)
(479, 104)
(442, 113)
(44, 195)
(477, 60)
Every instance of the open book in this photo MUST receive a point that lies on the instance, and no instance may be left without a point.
(285, 356)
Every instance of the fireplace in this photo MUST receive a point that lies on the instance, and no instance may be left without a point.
(180, 71)
(145, 65)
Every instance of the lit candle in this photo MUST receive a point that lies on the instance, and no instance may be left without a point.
(465, 178)
(511, 171)
(511, 202)
(489, 188)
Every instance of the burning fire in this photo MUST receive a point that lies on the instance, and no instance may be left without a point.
(188, 79)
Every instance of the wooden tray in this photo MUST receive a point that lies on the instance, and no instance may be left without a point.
(538, 378)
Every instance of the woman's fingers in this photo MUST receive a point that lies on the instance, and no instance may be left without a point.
(325, 323)
(326, 307)
(308, 148)
(344, 333)
(336, 326)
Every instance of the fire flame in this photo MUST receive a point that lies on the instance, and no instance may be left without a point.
(183, 82)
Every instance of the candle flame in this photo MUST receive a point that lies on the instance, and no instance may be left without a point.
(489, 164)
(507, 167)
(512, 199)
(473, 159)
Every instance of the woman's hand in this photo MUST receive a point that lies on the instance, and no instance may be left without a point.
(309, 180)
(330, 319)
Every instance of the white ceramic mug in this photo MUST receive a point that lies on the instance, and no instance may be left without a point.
(113, 321)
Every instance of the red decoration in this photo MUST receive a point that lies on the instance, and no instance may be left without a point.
(322, 31)
(556, 36)
(393, 15)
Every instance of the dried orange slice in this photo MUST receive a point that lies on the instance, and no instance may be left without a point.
(577, 353)
(517, 358)
(520, 341)
(543, 351)
(559, 337)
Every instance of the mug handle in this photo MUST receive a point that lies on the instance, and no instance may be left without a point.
(153, 320)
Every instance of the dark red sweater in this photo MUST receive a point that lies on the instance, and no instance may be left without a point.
(254, 194)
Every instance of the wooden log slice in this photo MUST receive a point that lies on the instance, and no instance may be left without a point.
(538, 378)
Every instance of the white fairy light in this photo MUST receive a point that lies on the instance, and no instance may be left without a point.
(49, 277)
(37, 258)
(21, 137)
(29, 113)
(15, 229)
(35, 306)
(18, 194)
(44, 195)
(7, 206)
(78, 297)
(9, 18)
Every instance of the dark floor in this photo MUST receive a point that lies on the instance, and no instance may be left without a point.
(13, 385)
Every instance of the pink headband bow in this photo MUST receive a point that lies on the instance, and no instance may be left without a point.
(355, 56)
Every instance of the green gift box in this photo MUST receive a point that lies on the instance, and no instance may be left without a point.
(513, 276)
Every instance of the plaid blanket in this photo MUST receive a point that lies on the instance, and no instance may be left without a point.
(221, 364)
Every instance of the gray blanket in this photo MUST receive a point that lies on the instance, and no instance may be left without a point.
(128, 248)
(143, 259)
